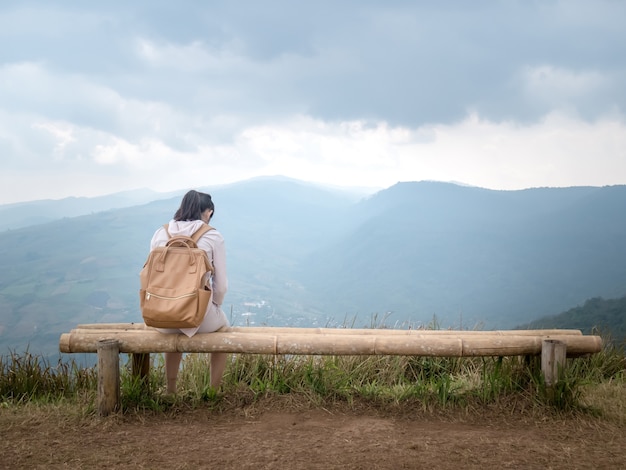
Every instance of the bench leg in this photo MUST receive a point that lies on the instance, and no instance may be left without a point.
(108, 376)
(553, 354)
(141, 367)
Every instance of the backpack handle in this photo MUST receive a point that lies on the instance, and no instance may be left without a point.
(178, 243)
(183, 242)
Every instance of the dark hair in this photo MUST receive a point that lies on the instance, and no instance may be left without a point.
(194, 203)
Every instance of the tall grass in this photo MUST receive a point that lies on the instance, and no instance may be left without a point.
(430, 382)
(26, 377)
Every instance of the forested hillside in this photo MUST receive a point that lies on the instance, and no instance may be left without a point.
(475, 257)
(606, 317)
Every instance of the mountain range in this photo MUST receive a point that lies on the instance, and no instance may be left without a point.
(306, 255)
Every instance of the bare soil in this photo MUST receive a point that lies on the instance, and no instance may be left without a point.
(280, 434)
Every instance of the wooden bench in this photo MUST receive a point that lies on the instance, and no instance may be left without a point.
(108, 340)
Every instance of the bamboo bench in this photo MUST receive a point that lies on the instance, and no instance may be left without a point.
(108, 340)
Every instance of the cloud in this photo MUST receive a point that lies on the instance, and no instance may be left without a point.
(557, 151)
(560, 150)
(555, 83)
(62, 135)
(549, 88)
(132, 94)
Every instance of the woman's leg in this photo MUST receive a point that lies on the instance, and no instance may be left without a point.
(172, 364)
(218, 365)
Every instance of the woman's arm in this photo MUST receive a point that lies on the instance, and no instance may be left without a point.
(220, 278)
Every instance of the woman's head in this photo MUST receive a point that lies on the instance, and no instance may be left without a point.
(194, 205)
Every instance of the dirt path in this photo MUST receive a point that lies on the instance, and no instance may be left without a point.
(311, 438)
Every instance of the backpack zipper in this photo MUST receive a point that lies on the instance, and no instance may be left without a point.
(178, 297)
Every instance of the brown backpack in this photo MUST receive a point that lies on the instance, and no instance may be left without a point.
(172, 291)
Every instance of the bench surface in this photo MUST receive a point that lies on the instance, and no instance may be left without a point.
(138, 338)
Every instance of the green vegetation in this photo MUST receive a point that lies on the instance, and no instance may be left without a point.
(595, 316)
(592, 384)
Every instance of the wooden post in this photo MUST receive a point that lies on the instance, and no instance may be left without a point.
(108, 376)
(141, 367)
(553, 353)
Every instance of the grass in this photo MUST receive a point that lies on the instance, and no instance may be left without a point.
(594, 384)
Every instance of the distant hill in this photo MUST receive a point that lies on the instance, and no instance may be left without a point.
(303, 255)
(473, 256)
(26, 214)
(85, 269)
(606, 317)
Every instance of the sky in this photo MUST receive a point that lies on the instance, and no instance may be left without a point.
(103, 97)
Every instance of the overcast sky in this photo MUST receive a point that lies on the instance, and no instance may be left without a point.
(100, 97)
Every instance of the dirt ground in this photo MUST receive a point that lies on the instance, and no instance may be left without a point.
(275, 435)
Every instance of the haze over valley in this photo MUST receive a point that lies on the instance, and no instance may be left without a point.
(306, 255)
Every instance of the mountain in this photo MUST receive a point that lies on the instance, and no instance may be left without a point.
(26, 214)
(595, 316)
(475, 257)
(303, 255)
(86, 269)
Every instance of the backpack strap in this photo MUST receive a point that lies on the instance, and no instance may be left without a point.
(197, 234)
(201, 231)
(196, 237)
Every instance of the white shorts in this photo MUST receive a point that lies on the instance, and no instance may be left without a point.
(214, 319)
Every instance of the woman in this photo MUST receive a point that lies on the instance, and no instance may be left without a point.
(195, 210)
